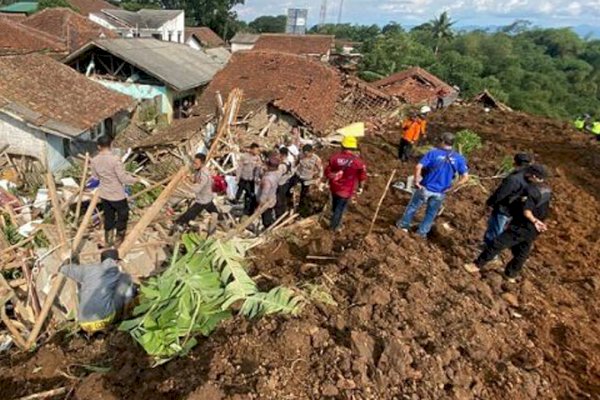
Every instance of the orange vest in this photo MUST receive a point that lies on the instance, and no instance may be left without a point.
(412, 130)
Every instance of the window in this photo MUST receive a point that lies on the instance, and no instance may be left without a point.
(170, 36)
(157, 36)
(179, 37)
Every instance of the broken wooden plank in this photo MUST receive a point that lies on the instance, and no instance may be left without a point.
(58, 217)
(385, 191)
(82, 187)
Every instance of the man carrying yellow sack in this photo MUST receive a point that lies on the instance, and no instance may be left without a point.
(103, 291)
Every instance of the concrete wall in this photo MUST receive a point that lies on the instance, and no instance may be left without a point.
(239, 47)
(142, 92)
(193, 43)
(27, 141)
(176, 27)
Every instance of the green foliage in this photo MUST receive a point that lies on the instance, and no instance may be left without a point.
(467, 141)
(42, 4)
(506, 166)
(196, 293)
(11, 234)
(268, 24)
(552, 72)
(319, 293)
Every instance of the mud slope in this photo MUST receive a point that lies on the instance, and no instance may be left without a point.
(409, 322)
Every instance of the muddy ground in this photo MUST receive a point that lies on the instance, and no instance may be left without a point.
(409, 322)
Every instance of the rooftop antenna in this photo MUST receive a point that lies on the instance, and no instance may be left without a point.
(323, 15)
(339, 20)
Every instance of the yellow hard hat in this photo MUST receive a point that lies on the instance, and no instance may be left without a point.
(350, 142)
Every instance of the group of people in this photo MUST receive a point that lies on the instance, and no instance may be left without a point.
(266, 182)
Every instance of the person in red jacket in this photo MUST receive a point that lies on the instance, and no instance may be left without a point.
(346, 173)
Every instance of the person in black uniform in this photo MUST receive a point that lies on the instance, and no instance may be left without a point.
(528, 214)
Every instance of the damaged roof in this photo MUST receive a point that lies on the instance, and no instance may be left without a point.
(414, 85)
(305, 88)
(296, 44)
(16, 38)
(50, 95)
(177, 65)
(244, 38)
(67, 25)
(204, 35)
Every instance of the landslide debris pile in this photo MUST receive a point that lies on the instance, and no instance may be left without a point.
(409, 322)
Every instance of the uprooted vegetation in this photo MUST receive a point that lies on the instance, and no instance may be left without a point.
(406, 320)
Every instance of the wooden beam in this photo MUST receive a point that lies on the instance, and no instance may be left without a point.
(82, 187)
(385, 191)
(58, 217)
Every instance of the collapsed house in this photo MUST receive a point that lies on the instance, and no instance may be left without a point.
(314, 46)
(243, 41)
(167, 25)
(417, 86)
(202, 37)
(50, 112)
(487, 100)
(71, 28)
(168, 74)
(16, 38)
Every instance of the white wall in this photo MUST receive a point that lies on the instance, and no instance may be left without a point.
(27, 141)
(176, 27)
(193, 43)
(239, 47)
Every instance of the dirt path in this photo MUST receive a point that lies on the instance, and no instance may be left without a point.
(409, 322)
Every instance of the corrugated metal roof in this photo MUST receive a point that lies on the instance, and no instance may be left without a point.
(177, 65)
(144, 19)
(21, 7)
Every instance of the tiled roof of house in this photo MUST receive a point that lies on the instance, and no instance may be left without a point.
(414, 85)
(296, 44)
(68, 26)
(307, 89)
(16, 38)
(54, 97)
(206, 36)
(15, 17)
(86, 7)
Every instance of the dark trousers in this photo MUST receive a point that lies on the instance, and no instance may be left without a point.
(404, 149)
(247, 188)
(304, 191)
(338, 208)
(282, 200)
(268, 217)
(195, 210)
(519, 239)
(116, 215)
(440, 103)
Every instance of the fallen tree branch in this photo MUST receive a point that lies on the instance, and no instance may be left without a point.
(46, 394)
(385, 191)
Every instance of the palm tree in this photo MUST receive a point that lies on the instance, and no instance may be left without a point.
(441, 29)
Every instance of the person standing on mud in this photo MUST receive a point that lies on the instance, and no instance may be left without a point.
(286, 169)
(509, 190)
(247, 174)
(109, 170)
(201, 184)
(267, 197)
(412, 129)
(346, 173)
(310, 171)
(434, 176)
(528, 214)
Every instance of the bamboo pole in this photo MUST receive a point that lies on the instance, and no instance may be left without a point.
(58, 217)
(60, 279)
(47, 394)
(82, 186)
(387, 188)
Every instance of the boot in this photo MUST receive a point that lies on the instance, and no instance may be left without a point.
(120, 237)
(109, 238)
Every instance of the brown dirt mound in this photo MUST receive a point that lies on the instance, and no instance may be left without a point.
(409, 323)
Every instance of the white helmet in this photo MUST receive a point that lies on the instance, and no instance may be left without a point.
(425, 110)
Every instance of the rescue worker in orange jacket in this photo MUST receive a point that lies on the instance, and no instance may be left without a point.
(412, 129)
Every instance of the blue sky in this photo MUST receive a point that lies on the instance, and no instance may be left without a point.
(413, 12)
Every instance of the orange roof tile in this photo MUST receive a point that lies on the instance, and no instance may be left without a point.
(68, 26)
(86, 7)
(206, 36)
(49, 94)
(16, 38)
(414, 85)
(296, 44)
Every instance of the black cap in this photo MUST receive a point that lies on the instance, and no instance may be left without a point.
(539, 171)
(113, 254)
(522, 159)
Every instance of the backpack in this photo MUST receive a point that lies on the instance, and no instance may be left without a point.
(219, 184)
